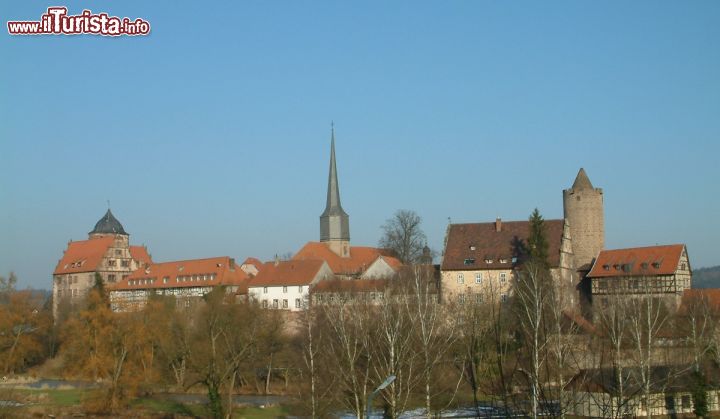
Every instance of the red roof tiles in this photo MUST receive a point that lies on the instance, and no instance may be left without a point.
(83, 256)
(287, 273)
(360, 257)
(185, 273)
(637, 261)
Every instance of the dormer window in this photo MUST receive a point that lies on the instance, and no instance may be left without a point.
(472, 247)
(656, 265)
(488, 260)
(502, 260)
(606, 267)
(470, 261)
(514, 259)
(644, 265)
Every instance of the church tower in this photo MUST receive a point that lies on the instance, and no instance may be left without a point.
(334, 222)
(583, 208)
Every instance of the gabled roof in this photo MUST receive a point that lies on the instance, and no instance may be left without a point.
(637, 261)
(185, 273)
(470, 245)
(287, 273)
(83, 256)
(359, 260)
(140, 254)
(108, 224)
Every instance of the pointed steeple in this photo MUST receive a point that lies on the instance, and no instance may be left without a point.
(582, 181)
(334, 222)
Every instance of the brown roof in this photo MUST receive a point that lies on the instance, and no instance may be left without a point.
(637, 261)
(469, 245)
(290, 272)
(83, 256)
(185, 273)
(350, 286)
(253, 261)
(360, 257)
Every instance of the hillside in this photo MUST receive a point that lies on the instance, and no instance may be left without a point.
(706, 277)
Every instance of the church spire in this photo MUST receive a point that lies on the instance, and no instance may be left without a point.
(334, 222)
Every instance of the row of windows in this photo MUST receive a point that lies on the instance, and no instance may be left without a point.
(471, 261)
(276, 303)
(331, 297)
(479, 277)
(285, 289)
(479, 298)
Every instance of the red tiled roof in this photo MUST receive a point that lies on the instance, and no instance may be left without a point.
(350, 286)
(291, 272)
(476, 242)
(185, 273)
(83, 256)
(140, 254)
(360, 257)
(637, 261)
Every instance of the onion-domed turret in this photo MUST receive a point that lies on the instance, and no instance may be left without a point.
(108, 224)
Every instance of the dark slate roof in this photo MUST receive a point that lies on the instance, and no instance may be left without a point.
(469, 245)
(108, 224)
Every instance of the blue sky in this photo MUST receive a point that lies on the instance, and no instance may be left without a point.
(211, 135)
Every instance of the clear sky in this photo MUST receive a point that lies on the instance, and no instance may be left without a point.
(211, 135)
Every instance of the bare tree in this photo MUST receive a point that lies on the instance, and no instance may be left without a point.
(402, 233)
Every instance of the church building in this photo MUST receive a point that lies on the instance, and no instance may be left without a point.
(345, 261)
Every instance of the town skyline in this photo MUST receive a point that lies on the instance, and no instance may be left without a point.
(450, 124)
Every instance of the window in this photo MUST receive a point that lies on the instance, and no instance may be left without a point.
(285, 289)
(118, 252)
(275, 303)
(461, 299)
(503, 298)
(264, 290)
(514, 259)
(460, 279)
(165, 280)
(125, 263)
(478, 278)
(478, 298)
(685, 401)
(111, 278)
(300, 289)
(470, 261)
(682, 266)
(111, 262)
(285, 303)
(503, 260)
(503, 277)
(264, 303)
(297, 302)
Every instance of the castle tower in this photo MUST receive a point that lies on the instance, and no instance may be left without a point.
(334, 222)
(583, 209)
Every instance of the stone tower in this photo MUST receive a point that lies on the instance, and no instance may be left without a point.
(334, 222)
(583, 208)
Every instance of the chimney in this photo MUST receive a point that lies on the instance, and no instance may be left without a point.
(232, 264)
(277, 260)
(498, 225)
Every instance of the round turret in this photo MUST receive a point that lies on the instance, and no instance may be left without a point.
(583, 208)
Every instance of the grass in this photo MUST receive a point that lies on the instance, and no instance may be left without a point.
(256, 412)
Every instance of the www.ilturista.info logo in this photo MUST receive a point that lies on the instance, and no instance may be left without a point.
(57, 22)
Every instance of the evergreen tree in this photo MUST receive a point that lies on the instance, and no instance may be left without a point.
(699, 395)
(537, 240)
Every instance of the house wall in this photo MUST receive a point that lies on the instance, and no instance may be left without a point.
(267, 296)
(378, 270)
(461, 286)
